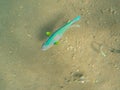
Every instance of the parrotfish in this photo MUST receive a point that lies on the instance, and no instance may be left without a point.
(57, 35)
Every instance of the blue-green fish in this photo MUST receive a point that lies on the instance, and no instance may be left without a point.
(56, 36)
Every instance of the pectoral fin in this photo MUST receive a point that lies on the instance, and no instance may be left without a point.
(56, 43)
(48, 33)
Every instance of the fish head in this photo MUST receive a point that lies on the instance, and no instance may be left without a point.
(50, 42)
(46, 46)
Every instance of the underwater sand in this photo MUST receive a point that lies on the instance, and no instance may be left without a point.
(87, 58)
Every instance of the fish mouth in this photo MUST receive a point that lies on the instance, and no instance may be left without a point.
(44, 47)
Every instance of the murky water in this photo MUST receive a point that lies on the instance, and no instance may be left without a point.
(84, 58)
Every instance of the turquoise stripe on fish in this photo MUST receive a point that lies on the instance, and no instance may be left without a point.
(57, 35)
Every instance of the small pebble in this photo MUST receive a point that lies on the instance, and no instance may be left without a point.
(21, 7)
(10, 52)
(29, 35)
(82, 81)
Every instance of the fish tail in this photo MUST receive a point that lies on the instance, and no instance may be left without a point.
(76, 19)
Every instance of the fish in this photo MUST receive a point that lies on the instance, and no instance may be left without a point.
(57, 35)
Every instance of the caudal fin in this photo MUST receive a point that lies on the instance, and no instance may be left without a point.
(76, 19)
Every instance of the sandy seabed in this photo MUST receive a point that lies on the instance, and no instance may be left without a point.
(87, 57)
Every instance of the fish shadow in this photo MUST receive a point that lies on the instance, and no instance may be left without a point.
(96, 46)
(49, 26)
